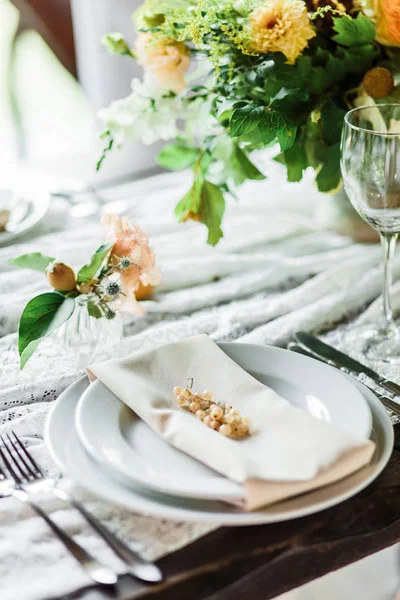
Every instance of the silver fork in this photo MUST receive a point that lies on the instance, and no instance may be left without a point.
(15, 487)
(33, 479)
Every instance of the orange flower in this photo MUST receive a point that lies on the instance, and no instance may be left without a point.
(168, 61)
(132, 243)
(387, 15)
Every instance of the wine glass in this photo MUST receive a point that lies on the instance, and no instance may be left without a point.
(370, 165)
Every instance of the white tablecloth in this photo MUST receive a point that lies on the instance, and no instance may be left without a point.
(274, 273)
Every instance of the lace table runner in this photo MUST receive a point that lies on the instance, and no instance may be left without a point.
(274, 273)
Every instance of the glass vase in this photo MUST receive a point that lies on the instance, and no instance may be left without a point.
(85, 335)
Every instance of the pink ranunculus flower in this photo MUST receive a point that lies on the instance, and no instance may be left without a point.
(131, 242)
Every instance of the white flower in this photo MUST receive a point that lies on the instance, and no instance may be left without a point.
(149, 114)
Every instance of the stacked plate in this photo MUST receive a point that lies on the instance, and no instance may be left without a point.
(107, 449)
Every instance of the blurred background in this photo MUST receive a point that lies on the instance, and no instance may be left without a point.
(54, 76)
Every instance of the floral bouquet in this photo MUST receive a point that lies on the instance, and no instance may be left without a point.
(121, 271)
(263, 72)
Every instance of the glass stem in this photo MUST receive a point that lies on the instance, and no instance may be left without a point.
(388, 241)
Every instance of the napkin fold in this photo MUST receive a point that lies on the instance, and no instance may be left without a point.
(290, 453)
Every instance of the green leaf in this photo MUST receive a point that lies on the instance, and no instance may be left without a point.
(42, 315)
(35, 261)
(266, 69)
(283, 130)
(286, 134)
(312, 142)
(224, 109)
(212, 210)
(154, 20)
(304, 65)
(251, 77)
(367, 51)
(329, 176)
(177, 156)
(318, 81)
(204, 202)
(331, 68)
(295, 160)
(290, 103)
(242, 168)
(189, 206)
(94, 309)
(88, 271)
(295, 93)
(335, 69)
(266, 131)
(353, 32)
(357, 59)
(115, 44)
(276, 68)
(332, 122)
(245, 119)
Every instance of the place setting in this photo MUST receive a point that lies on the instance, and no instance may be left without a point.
(296, 437)
(284, 445)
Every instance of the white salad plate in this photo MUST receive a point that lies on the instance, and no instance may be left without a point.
(113, 435)
(70, 455)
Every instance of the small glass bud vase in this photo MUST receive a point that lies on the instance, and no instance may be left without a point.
(85, 335)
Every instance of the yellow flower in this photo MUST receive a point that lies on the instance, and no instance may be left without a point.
(167, 60)
(281, 26)
(378, 82)
(387, 15)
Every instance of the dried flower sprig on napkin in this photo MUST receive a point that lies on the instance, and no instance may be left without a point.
(111, 281)
(224, 419)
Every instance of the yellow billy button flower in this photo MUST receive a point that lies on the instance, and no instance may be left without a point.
(61, 277)
(378, 82)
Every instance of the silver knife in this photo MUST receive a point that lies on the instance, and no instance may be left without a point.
(389, 404)
(339, 359)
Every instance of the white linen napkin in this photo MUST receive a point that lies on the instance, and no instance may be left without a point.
(291, 451)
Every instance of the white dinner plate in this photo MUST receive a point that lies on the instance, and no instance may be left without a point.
(31, 206)
(114, 436)
(72, 458)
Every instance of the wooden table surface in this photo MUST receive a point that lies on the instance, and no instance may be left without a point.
(261, 562)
